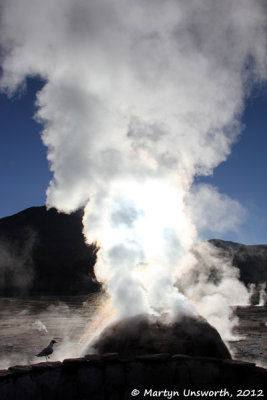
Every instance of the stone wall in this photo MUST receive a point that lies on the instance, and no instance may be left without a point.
(152, 376)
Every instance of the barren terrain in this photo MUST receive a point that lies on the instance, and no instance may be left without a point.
(28, 324)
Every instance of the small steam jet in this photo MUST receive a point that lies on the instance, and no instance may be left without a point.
(47, 350)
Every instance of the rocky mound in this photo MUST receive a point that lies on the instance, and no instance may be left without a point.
(145, 334)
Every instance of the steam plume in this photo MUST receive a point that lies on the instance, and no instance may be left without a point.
(140, 97)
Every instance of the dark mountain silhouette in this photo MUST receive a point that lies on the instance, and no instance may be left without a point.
(251, 260)
(43, 252)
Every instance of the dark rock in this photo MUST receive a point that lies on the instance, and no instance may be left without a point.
(239, 363)
(114, 375)
(203, 373)
(5, 374)
(155, 375)
(117, 380)
(46, 365)
(251, 260)
(69, 362)
(26, 389)
(181, 376)
(180, 357)
(48, 382)
(145, 334)
(20, 369)
(95, 360)
(114, 381)
(135, 377)
(43, 252)
(90, 381)
(92, 357)
(154, 357)
(7, 390)
(110, 356)
(68, 387)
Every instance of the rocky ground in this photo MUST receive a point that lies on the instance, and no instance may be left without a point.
(252, 330)
(28, 324)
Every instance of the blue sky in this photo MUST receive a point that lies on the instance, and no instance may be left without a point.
(243, 176)
(25, 172)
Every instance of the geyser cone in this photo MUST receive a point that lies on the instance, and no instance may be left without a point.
(146, 334)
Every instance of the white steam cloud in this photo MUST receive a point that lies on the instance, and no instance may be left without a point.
(212, 283)
(213, 212)
(140, 97)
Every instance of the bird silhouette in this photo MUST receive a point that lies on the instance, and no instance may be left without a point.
(47, 350)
